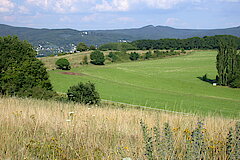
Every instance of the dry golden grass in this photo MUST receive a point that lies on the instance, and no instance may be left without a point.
(34, 129)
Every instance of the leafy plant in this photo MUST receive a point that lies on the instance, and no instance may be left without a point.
(82, 47)
(97, 58)
(134, 56)
(84, 93)
(63, 64)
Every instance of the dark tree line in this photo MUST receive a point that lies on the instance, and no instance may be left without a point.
(207, 42)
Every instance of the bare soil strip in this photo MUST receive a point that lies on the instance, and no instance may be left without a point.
(72, 73)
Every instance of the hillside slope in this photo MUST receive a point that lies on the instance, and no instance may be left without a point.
(65, 37)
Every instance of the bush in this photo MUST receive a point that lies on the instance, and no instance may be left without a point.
(97, 58)
(92, 47)
(113, 57)
(134, 56)
(82, 47)
(20, 70)
(38, 93)
(63, 64)
(84, 93)
(148, 55)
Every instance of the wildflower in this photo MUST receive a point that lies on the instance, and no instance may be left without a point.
(68, 120)
(126, 148)
(176, 129)
(212, 147)
(187, 131)
(93, 115)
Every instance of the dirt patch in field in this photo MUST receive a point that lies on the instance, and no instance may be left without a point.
(72, 73)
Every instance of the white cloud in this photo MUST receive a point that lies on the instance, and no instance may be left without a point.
(115, 5)
(125, 5)
(6, 6)
(163, 4)
(60, 6)
(23, 9)
(40, 3)
(66, 6)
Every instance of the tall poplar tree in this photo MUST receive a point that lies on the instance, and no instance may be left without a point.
(227, 64)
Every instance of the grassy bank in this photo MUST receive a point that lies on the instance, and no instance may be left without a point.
(169, 83)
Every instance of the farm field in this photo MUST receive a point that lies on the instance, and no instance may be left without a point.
(170, 83)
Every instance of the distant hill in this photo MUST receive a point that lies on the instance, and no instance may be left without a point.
(65, 37)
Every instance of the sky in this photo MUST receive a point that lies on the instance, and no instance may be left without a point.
(120, 14)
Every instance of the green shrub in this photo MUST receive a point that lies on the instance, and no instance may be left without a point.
(148, 55)
(92, 47)
(38, 93)
(113, 57)
(83, 93)
(63, 64)
(82, 47)
(97, 58)
(134, 56)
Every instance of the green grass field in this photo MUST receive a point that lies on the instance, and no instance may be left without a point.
(169, 83)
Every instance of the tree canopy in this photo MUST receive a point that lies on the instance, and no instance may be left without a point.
(63, 64)
(83, 93)
(228, 64)
(207, 42)
(20, 71)
(82, 47)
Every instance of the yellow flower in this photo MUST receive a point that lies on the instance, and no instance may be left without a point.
(212, 147)
(176, 129)
(186, 131)
(126, 148)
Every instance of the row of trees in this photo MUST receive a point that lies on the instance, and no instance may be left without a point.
(117, 47)
(207, 42)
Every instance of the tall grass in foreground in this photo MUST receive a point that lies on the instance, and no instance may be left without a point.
(33, 129)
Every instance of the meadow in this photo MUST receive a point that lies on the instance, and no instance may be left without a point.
(75, 58)
(171, 83)
(35, 129)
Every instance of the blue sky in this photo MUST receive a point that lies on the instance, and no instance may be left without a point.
(115, 14)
